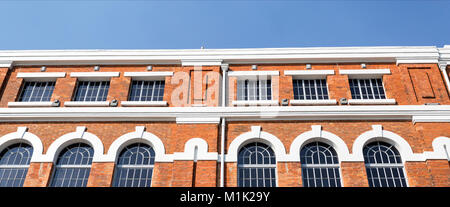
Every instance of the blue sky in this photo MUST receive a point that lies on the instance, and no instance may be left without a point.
(102, 24)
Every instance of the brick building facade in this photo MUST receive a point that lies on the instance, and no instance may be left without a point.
(215, 103)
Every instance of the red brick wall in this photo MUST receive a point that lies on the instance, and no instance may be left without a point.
(354, 174)
(38, 175)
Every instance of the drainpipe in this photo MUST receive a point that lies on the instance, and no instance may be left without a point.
(223, 122)
(443, 67)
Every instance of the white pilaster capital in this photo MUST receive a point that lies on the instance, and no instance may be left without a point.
(224, 67)
(443, 66)
(6, 64)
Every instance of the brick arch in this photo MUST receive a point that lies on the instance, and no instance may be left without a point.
(317, 134)
(256, 135)
(138, 136)
(22, 136)
(80, 135)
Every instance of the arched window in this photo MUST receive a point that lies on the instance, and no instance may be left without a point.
(135, 166)
(320, 166)
(256, 166)
(14, 163)
(384, 165)
(73, 166)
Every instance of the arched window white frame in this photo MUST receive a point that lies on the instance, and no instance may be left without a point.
(135, 166)
(73, 166)
(14, 164)
(384, 165)
(256, 166)
(320, 165)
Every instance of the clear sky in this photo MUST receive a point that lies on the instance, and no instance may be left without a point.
(132, 24)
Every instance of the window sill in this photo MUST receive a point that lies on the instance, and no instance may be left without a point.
(86, 103)
(144, 103)
(371, 101)
(31, 104)
(313, 102)
(259, 103)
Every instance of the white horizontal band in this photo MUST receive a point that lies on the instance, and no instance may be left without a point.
(183, 120)
(144, 103)
(31, 104)
(366, 72)
(86, 103)
(42, 75)
(309, 72)
(147, 74)
(256, 102)
(313, 102)
(94, 74)
(371, 101)
(252, 73)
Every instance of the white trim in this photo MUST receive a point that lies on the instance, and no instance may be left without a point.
(378, 134)
(80, 135)
(256, 136)
(94, 74)
(138, 136)
(416, 119)
(143, 103)
(319, 135)
(200, 62)
(322, 73)
(86, 103)
(252, 73)
(366, 72)
(42, 75)
(21, 135)
(441, 149)
(200, 120)
(148, 74)
(371, 101)
(31, 104)
(256, 103)
(313, 102)
(202, 151)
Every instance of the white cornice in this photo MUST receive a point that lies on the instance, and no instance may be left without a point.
(438, 112)
(401, 54)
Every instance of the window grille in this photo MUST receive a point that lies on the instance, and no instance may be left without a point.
(33, 91)
(91, 91)
(310, 89)
(73, 166)
(146, 91)
(14, 164)
(367, 88)
(383, 165)
(135, 166)
(248, 90)
(256, 166)
(320, 166)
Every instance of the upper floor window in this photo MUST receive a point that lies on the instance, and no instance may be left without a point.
(36, 91)
(91, 91)
(142, 90)
(14, 163)
(367, 88)
(383, 165)
(249, 90)
(135, 166)
(256, 166)
(320, 166)
(73, 166)
(310, 89)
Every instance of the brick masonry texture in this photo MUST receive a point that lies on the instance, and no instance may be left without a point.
(408, 84)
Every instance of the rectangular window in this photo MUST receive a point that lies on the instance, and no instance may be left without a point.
(248, 90)
(91, 91)
(367, 88)
(146, 90)
(310, 89)
(36, 91)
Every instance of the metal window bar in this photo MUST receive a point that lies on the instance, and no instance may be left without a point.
(367, 88)
(14, 164)
(256, 166)
(91, 91)
(36, 91)
(315, 89)
(254, 90)
(147, 91)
